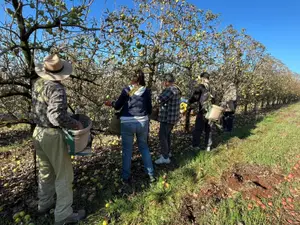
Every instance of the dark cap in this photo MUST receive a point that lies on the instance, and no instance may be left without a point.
(205, 75)
(169, 78)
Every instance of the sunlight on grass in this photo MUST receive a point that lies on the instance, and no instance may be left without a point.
(268, 145)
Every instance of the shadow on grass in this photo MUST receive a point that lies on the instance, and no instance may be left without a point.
(97, 178)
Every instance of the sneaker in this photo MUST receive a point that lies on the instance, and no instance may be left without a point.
(42, 211)
(73, 218)
(162, 160)
(208, 149)
(152, 179)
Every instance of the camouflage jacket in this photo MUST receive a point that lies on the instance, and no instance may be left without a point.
(49, 105)
(230, 97)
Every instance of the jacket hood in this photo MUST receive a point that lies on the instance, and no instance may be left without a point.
(175, 89)
(136, 90)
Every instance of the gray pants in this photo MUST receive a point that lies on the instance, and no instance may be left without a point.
(165, 130)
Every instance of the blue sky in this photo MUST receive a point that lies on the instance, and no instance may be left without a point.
(275, 23)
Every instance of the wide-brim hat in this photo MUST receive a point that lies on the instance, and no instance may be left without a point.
(54, 68)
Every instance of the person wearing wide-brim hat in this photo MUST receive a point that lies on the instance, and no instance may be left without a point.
(50, 115)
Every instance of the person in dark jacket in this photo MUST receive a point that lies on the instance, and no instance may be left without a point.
(136, 106)
(204, 96)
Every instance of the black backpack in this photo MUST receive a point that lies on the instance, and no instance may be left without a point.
(206, 97)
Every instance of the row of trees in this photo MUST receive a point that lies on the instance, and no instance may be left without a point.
(158, 36)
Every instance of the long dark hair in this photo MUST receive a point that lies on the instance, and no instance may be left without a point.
(139, 77)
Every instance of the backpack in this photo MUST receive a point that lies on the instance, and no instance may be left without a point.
(206, 97)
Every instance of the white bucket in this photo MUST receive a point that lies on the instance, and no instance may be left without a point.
(79, 139)
(214, 113)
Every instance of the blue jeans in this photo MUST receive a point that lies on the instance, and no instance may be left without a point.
(141, 130)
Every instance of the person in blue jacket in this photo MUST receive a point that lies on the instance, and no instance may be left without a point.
(136, 106)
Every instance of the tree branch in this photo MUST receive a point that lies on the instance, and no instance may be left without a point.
(18, 6)
(10, 94)
(84, 79)
(9, 123)
(9, 49)
(46, 49)
(57, 23)
(10, 30)
(27, 86)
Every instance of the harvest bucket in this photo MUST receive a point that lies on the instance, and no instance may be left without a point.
(215, 113)
(78, 140)
(115, 125)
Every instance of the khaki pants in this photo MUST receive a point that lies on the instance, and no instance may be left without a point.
(55, 171)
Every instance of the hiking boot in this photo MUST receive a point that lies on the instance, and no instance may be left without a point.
(44, 210)
(73, 218)
(162, 160)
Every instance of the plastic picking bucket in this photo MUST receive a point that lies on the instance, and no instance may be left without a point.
(78, 140)
(214, 113)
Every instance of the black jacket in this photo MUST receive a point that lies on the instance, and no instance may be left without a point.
(201, 90)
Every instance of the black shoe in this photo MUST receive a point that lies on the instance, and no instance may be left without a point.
(126, 187)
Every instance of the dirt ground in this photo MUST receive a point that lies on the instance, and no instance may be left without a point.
(257, 184)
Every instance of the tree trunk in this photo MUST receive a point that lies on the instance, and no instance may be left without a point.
(255, 107)
(246, 108)
(188, 113)
(151, 79)
(187, 120)
(273, 102)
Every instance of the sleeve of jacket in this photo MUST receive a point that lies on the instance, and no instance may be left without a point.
(149, 102)
(121, 100)
(57, 108)
(165, 96)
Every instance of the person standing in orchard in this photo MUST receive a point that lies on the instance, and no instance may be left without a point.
(169, 114)
(229, 103)
(204, 96)
(136, 106)
(49, 108)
